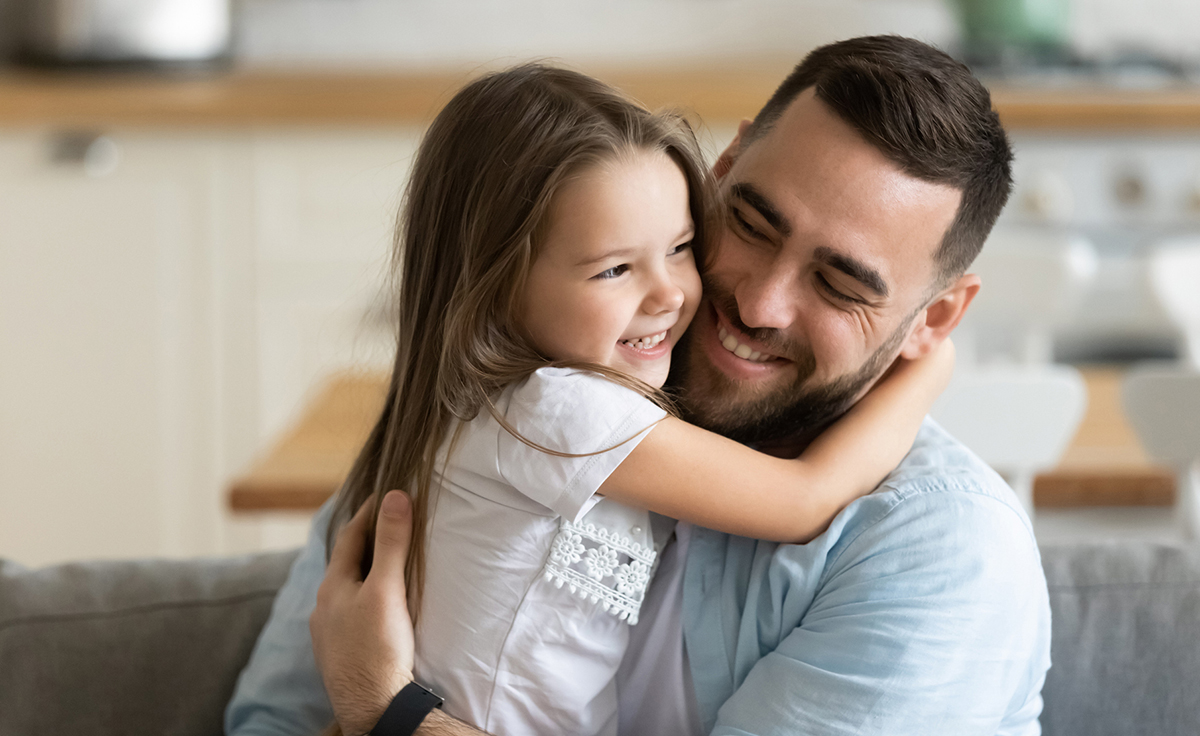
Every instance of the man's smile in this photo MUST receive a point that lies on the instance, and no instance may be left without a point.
(735, 354)
(730, 342)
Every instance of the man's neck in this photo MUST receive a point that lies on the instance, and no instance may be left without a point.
(791, 447)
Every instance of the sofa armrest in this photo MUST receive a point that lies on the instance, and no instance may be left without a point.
(1125, 650)
(129, 647)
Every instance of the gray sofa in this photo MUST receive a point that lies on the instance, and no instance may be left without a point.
(155, 647)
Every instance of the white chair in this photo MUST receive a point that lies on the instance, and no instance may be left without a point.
(1163, 405)
(1018, 419)
(1033, 280)
(1175, 278)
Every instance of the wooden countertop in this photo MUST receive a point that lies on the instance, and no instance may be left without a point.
(265, 98)
(1099, 110)
(242, 98)
(1104, 466)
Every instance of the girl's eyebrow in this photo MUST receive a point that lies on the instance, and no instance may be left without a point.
(614, 253)
(688, 232)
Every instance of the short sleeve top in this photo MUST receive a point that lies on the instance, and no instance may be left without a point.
(531, 578)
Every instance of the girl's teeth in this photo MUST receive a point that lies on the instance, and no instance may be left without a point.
(645, 343)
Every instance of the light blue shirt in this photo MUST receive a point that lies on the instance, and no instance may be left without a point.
(921, 610)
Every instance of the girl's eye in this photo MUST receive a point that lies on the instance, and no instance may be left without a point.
(833, 292)
(680, 248)
(613, 272)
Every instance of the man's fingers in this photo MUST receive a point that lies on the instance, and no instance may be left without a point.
(393, 531)
(345, 561)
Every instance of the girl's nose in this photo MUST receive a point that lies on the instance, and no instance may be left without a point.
(665, 296)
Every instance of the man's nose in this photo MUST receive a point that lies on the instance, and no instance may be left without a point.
(768, 302)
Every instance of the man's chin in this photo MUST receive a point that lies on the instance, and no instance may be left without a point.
(717, 402)
(788, 422)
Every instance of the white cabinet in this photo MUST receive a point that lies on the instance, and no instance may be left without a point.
(159, 323)
(109, 407)
(325, 206)
(325, 212)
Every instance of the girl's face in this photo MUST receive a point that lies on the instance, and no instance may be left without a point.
(615, 281)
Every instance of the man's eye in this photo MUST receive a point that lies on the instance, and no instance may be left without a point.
(833, 292)
(613, 272)
(743, 224)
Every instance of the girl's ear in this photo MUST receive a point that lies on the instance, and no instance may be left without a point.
(729, 155)
(938, 320)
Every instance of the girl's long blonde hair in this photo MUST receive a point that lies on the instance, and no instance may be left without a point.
(476, 204)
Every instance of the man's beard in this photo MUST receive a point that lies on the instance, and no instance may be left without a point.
(792, 414)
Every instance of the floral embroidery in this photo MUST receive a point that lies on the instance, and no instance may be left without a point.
(600, 562)
(609, 568)
(632, 578)
(568, 549)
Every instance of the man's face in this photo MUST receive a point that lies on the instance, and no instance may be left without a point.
(819, 276)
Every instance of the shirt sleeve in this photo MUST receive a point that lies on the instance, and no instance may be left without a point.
(934, 619)
(575, 412)
(280, 691)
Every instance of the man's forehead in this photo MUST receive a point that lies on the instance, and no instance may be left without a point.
(835, 190)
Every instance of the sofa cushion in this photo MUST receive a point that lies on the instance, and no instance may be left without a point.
(129, 647)
(1126, 640)
(156, 646)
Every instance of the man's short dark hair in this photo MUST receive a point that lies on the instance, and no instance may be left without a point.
(926, 113)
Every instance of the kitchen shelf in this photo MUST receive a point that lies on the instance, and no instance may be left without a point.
(284, 99)
(265, 98)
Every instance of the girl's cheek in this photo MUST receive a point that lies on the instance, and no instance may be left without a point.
(692, 292)
(688, 312)
(687, 278)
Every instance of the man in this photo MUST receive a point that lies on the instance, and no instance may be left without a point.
(854, 202)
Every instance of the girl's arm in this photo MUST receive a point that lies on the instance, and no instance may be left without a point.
(685, 472)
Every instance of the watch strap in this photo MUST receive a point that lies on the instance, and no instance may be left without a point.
(406, 711)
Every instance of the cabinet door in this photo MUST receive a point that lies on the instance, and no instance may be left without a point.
(325, 212)
(110, 406)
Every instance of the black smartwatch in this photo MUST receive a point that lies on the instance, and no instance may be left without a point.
(406, 711)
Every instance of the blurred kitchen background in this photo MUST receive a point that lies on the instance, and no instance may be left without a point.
(197, 199)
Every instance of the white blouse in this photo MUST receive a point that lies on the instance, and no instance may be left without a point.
(532, 581)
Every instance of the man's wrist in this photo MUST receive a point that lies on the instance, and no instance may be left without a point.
(407, 710)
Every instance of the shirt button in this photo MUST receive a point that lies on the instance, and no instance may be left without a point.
(635, 530)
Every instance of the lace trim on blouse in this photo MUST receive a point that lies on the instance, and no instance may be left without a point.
(610, 568)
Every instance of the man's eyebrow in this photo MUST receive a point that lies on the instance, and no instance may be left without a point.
(855, 269)
(751, 196)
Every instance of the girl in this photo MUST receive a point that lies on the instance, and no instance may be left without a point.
(547, 267)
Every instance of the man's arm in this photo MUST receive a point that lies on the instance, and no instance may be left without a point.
(361, 632)
(930, 620)
(279, 692)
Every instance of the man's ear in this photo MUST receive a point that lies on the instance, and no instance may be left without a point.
(729, 155)
(938, 320)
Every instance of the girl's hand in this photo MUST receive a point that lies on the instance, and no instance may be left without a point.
(930, 374)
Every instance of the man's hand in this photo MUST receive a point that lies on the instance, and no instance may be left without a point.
(362, 633)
